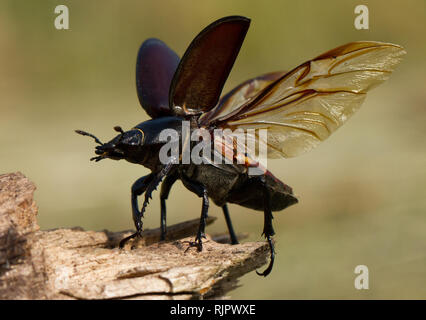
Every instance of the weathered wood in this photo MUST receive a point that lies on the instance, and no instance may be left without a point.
(78, 264)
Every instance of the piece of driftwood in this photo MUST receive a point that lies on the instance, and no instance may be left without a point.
(78, 264)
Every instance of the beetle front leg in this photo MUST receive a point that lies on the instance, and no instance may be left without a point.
(151, 184)
(268, 230)
(138, 188)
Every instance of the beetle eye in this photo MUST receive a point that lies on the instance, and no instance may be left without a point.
(139, 134)
(132, 137)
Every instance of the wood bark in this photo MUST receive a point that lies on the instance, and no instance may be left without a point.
(78, 264)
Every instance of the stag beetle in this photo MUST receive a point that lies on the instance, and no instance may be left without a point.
(299, 109)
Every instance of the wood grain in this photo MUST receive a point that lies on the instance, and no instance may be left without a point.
(78, 264)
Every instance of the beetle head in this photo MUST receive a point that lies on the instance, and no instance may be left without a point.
(123, 146)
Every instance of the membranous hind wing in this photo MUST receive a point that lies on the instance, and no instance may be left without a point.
(306, 105)
(240, 95)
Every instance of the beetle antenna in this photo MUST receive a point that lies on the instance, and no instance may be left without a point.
(118, 129)
(84, 133)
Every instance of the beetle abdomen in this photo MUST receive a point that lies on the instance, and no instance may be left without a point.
(250, 193)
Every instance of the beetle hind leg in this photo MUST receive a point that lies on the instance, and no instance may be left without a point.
(268, 230)
(268, 270)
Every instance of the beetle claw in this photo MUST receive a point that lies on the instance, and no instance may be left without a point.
(126, 239)
(198, 243)
(271, 262)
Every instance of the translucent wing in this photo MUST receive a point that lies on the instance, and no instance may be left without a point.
(306, 105)
(205, 66)
(240, 95)
(155, 66)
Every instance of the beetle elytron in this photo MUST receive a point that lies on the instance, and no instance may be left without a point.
(299, 109)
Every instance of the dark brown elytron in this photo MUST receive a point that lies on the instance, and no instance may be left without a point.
(298, 109)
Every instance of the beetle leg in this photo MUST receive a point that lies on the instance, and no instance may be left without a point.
(164, 194)
(232, 235)
(201, 191)
(148, 185)
(201, 229)
(158, 177)
(138, 188)
(268, 230)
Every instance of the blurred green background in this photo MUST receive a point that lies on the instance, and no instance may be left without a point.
(362, 192)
